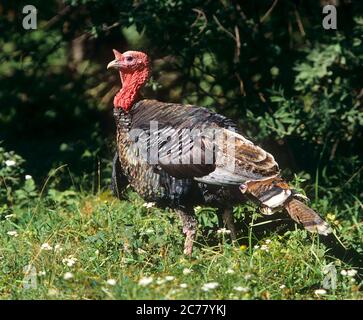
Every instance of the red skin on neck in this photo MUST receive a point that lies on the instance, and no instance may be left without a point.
(132, 82)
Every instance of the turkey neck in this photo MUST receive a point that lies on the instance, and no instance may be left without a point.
(131, 85)
(122, 119)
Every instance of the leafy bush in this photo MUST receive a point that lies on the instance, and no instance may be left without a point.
(15, 187)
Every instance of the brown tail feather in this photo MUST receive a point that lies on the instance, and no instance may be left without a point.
(275, 193)
(307, 217)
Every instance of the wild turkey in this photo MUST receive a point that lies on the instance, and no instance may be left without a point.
(181, 156)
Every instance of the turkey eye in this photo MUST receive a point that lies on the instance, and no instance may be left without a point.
(129, 59)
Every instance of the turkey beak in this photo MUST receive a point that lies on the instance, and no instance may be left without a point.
(115, 64)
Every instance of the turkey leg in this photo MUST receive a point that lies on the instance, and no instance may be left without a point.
(227, 217)
(190, 224)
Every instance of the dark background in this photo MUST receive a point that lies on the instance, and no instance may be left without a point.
(291, 85)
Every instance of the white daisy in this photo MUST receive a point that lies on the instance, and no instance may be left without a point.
(68, 275)
(223, 231)
(70, 261)
(210, 286)
(145, 281)
(148, 204)
(28, 177)
(343, 272)
(187, 271)
(320, 292)
(111, 282)
(13, 233)
(230, 271)
(352, 273)
(46, 246)
(169, 278)
(183, 285)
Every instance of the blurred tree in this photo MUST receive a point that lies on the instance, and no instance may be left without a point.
(268, 64)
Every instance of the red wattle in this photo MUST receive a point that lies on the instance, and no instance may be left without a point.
(131, 85)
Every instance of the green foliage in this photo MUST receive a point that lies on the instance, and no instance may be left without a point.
(15, 187)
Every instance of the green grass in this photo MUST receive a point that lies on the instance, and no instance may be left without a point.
(125, 241)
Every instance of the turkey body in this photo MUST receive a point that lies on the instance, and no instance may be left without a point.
(168, 180)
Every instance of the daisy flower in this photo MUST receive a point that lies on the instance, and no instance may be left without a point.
(210, 286)
(145, 281)
(70, 261)
(111, 282)
(148, 205)
(187, 271)
(320, 292)
(13, 233)
(223, 231)
(68, 275)
(46, 246)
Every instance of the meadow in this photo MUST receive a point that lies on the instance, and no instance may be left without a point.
(75, 245)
